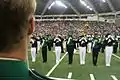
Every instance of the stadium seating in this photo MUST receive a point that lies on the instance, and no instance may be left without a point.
(76, 27)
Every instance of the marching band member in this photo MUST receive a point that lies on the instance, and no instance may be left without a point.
(44, 49)
(57, 42)
(82, 49)
(33, 41)
(108, 49)
(95, 50)
(89, 46)
(70, 49)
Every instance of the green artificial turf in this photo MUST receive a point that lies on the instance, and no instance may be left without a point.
(79, 72)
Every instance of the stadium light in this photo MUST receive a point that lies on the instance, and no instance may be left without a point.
(51, 5)
(82, 2)
(89, 8)
(104, 1)
(59, 3)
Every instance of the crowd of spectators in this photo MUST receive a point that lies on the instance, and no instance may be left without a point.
(76, 28)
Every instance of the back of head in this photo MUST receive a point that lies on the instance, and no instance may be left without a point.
(107, 35)
(82, 36)
(15, 17)
(69, 35)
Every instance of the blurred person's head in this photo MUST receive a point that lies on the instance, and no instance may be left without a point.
(16, 25)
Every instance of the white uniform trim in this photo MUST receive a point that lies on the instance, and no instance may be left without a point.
(82, 52)
(43, 42)
(69, 40)
(108, 54)
(33, 54)
(57, 38)
(38, 45)
(58, 53)
(10, 59)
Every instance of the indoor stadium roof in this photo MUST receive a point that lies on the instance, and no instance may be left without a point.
(76, 7)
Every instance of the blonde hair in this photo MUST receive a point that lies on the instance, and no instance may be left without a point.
(14, 15)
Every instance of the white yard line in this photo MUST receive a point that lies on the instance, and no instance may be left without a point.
(116, 56)
(69, 75)
(92, 77)
(59, 78)
(113, 77)
(54, 67)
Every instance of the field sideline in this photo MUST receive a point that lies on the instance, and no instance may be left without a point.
(76, 71)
